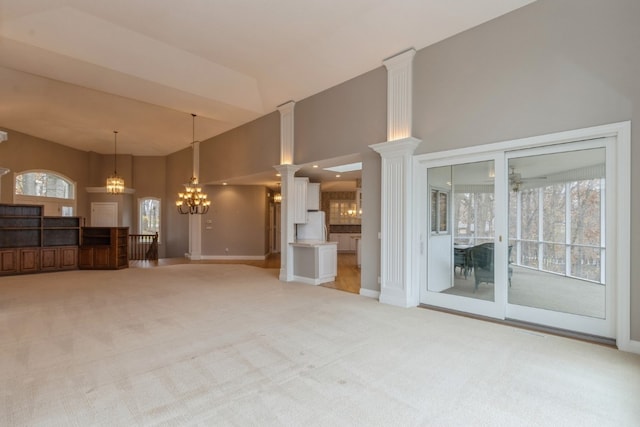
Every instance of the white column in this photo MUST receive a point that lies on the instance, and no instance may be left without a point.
(396, 278)
(286, 132)
(287, 171)
(396, 285)
(195, 221)
(3, 171)
(288, 232)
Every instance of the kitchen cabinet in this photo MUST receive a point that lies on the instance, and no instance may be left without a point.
(347, 242)
(300, 200)
(313, 196)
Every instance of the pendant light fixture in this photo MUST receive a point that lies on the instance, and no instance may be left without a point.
(193, 201)
(115, 184)
(277, 196)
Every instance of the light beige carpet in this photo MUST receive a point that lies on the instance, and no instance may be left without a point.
(217, 345)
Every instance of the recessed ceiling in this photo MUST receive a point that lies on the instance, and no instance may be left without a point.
(72, 71)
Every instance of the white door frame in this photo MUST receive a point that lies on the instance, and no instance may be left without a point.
(619, 245)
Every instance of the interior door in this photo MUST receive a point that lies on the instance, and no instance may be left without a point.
(104, 214)
(466, 252)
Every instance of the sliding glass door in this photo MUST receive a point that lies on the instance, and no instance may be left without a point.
(521, 234)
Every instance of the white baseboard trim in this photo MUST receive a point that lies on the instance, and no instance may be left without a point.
(630, 346)
(309, 281)
(369, 293)
(234, 257)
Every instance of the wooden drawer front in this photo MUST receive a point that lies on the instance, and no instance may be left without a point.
(68, 258)
(9, 261)
(49, 259)
(29, 260)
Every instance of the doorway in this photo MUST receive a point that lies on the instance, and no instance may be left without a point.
(523, 232)
(104, 214)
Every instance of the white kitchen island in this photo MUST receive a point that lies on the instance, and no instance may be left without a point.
(315, 262)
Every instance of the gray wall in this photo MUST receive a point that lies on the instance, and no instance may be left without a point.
(179, 169)
(247, 150)
(370, 244)
(548, 67)
(237, 216)
(149, 175)
(342, 120)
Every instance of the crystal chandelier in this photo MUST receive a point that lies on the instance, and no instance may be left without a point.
(115, 184)
(193, 200)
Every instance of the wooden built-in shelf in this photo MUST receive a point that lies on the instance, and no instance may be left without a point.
(104, 248)
(32, 243)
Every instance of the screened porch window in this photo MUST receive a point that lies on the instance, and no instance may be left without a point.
(554, 227)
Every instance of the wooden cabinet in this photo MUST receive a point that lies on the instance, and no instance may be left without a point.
(9, 261)
(31, 242)
(62, 258)
(104, 248)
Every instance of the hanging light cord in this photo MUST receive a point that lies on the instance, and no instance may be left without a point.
(193, 128)
(115, 142)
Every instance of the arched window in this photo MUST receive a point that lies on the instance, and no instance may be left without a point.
(44, 184)
(40, 187)
(149, 216)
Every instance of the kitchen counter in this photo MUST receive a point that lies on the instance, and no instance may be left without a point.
(314, 262)
(310, 243)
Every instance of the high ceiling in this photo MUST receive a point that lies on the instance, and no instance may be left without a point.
(72, 71)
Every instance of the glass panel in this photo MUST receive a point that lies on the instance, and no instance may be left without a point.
(586, 263)
(464, 254)
(585, 212)
(440, 267)
(554, 258)
(529, 254)
(555, 229)
(434, 211)
(530, 214)
(67, 211)
(343, 212)
(149, 216)
(443, 212)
